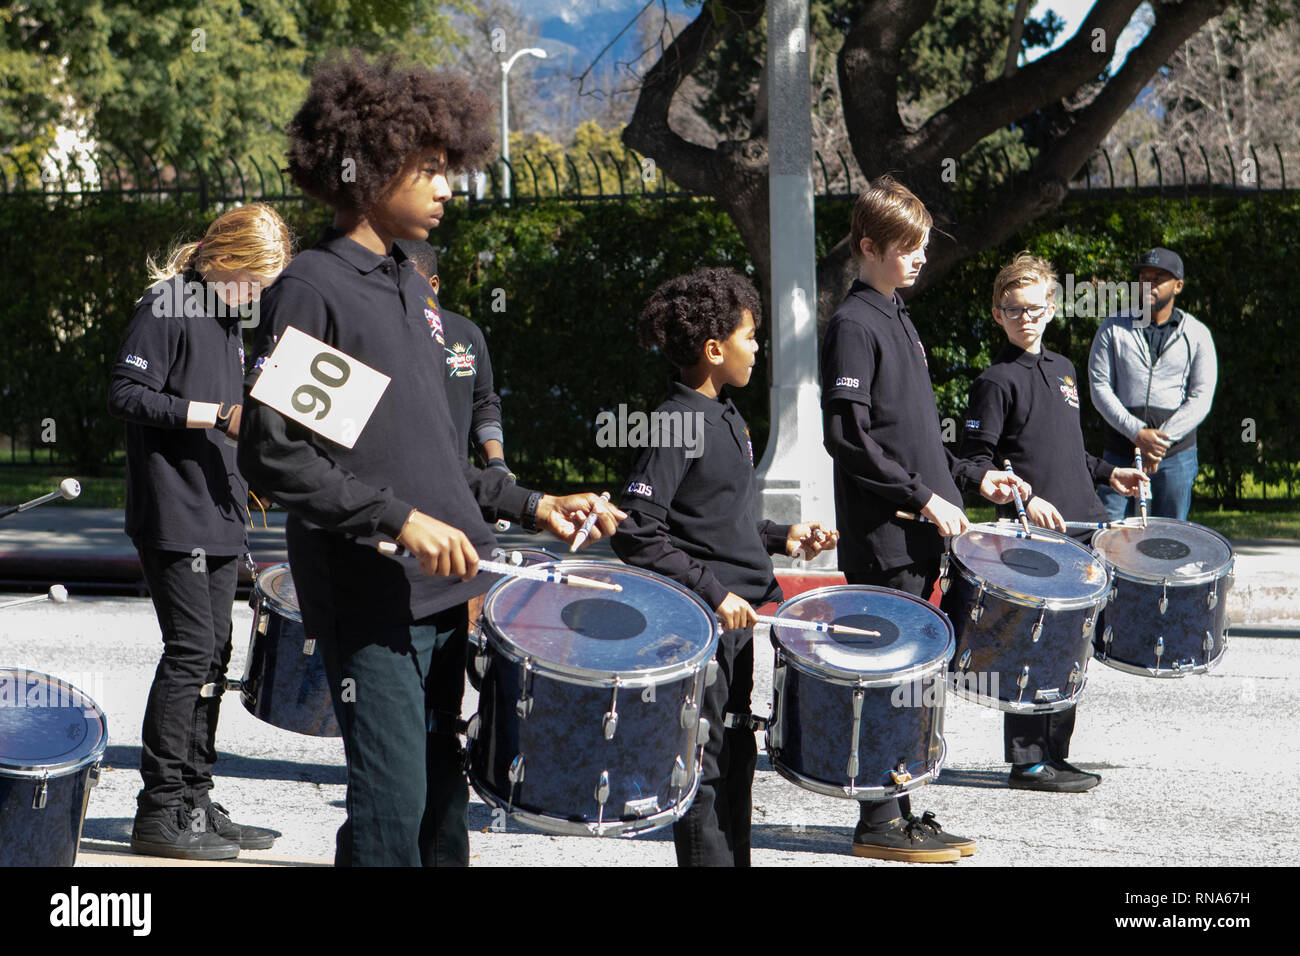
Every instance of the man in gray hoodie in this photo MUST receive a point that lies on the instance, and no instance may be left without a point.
(1152, 372)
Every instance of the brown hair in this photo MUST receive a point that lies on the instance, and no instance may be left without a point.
(887, 212)
(251, 238)
(1024, 270)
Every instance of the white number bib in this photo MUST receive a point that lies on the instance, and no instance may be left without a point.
(320, 387)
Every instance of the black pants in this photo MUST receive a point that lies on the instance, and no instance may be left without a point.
(919, 580)
(397, 692)
(715, 830)
(192, 597)
(1033, 738)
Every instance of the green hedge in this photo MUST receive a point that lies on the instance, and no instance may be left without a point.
(557, 288)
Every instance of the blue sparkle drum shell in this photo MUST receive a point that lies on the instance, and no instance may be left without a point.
(1167, 615)
(589, 708)
(284, 679)
(52, 739)
(1024, 609)
(854, 716)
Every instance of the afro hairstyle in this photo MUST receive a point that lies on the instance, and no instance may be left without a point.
(686, 311)
(378, 114)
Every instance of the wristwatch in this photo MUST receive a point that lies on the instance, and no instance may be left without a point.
(224, 413)
(528, 520)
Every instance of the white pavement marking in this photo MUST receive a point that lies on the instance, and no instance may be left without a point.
(1199, 771)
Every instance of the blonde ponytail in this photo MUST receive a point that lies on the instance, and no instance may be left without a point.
(252, 239)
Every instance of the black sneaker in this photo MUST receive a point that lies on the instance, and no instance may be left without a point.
(245, 836)
(1052, 776)
(927, 822)
(905, 841)
(169, 832)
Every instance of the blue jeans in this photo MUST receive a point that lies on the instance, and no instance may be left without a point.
(1171, 488)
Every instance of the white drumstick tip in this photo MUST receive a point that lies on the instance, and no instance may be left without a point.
(69, 488)
(58, 593)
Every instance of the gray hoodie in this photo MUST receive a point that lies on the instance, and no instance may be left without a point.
(1174, 393)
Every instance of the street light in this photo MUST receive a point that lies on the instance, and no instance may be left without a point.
(505, 113)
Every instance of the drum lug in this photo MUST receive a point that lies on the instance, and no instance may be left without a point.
(1160, 649)
(1089, 623)
(1075, 673)
(945, 582)
(1209, 644)
(524, 705)
(42, 792)
(263, 623)
(901, 775)
(471, 729)
(602, 794)
(1036, 631)
(309, 647)
(92, 779)
(964, 663)
(679, 777)
(690, 713)
(1212, 599)
(1164, 596)
(858, 695)
(977, 610)
(1106, 636)
(1114, 593)
(481, 661)
(609, 724)
(710, 673)
(516, 776)
(1022, 681)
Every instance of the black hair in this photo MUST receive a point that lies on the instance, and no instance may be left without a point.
(376, 115)
(422, 255)
(686, 311)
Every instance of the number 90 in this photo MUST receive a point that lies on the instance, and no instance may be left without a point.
(308, 398)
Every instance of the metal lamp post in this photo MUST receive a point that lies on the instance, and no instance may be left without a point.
(505, 113)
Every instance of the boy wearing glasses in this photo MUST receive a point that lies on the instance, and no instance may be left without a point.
(1025, 407)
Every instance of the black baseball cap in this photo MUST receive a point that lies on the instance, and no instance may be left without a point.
(1159, 258)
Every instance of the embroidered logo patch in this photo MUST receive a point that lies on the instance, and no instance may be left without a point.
(1069, 390)
(973, 424)
(434, 319)
(141, 364)
(845, 382)
(461, 361)
(641, 488)
(924, 360)
(750, 443)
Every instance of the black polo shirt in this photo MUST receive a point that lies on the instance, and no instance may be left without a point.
(183, 490)
(1025, 408)
(695, 520)
(475, 407)
(341, 500)
(881, 428)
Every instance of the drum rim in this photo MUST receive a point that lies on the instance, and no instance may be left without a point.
(1222, 571)
(1028, 600)
(860, 793)
(1163, 672)
(843, 676)
(270, 600)
(1011, 707)
(492, 637)
(66, 767)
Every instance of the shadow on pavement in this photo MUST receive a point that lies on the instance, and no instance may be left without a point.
(252, 768)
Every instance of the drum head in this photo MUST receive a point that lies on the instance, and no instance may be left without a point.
(1166, 549)
(275, 585)
(651, 627)
(1045, 567)
(47, 724)
(913, 633)
(528, 556)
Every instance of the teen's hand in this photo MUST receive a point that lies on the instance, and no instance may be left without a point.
(1044, 514)
(947, 517)
(735, 612)
(1128, 481)
(810, 539)
(563, 516)
(1153, 442)
(996, 486)
(440, 548)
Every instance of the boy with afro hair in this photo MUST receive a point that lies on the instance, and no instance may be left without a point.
(693, 517)
(376, 142)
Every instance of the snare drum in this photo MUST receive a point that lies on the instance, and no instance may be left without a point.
(1024, 610)
(854, 716)
(284, 677)
(52, 738)
(1167, 615)
(589, 712)
(525, 557)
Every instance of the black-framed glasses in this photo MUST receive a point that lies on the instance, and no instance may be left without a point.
(1014, 312)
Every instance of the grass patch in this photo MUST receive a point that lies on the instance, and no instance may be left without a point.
(19, 483)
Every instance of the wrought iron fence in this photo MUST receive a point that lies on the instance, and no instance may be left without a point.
(1156, 169)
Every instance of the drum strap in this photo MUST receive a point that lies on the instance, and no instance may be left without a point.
(748, 722)
(445, 722)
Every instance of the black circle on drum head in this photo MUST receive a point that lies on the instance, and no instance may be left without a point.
(1035, 564)
(867, 622)
(1163, 549)
(603, 619)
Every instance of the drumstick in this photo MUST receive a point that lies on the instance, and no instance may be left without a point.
(518, 571)
(581, 538)
(1015, 493)
(912, 516)
(1072, 524)
(58, 594)
(68, 488)
(802, 625)
(1142, 485)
